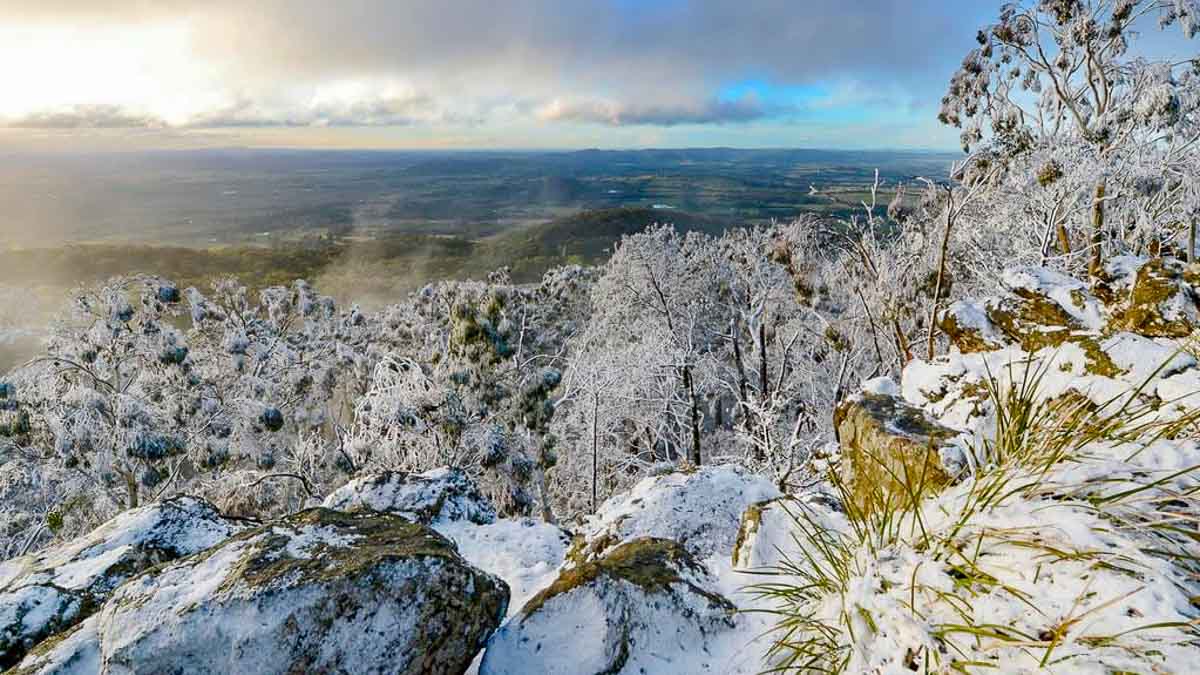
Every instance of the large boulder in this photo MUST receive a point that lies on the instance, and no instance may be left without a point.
(49, 592)
(434, 496)
(700, 509)
(319, 591)
(892, 450)
(644, 607)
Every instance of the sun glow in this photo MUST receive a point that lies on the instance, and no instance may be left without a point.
(149, 69)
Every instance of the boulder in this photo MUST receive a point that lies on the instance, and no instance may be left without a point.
(644, 607)
(49, 592)
(440, 495)
(318, 591)
(969, 328)
(700, 509)
(892, 450)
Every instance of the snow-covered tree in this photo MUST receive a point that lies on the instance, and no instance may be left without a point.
(1099, 140)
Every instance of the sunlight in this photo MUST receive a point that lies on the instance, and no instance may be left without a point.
(147, 68)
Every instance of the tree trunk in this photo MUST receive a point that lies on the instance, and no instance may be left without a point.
(687, 381)
(1097, 263)
(764, 383)
(743, 384)
(941, 279)
(595, 448)
(1191, 246)
(131, 486)
(1064, 239)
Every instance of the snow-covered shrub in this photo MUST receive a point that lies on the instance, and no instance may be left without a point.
(1066, 544)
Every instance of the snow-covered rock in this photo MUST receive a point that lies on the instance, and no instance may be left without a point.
(700, 509)
(319, 591)
(767, 537)
(1155, 298)
(440, 495)
(49, 592)
(72, 652)
(646, 606)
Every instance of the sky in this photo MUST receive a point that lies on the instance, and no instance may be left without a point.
(512, 74)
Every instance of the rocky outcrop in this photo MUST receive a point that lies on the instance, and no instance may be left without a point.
(1154, 298)
(892, 450)
(47, 593)
(440, 495)
(646, 606)
(320, 591)
(701, 510)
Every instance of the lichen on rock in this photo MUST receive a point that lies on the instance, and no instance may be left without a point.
(891, 450)
(1160, 301)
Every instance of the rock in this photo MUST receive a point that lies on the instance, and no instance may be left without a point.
(1159, 301)
(890, 449)
(319, 591)
(434, 496)
(644, 607)
(43, 594)
(701, 510)
(73, 652)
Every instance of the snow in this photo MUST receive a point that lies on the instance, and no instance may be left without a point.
(881, 386)
(525, 553)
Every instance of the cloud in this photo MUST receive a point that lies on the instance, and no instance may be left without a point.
(465, 63)
(97, 116)
(367, 109)
(618, 114)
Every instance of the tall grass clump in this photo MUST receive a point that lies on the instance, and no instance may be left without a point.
(1073, 539)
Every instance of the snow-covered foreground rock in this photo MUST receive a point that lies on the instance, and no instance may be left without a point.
(47, 593)
(320, 591)
(648, 587)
